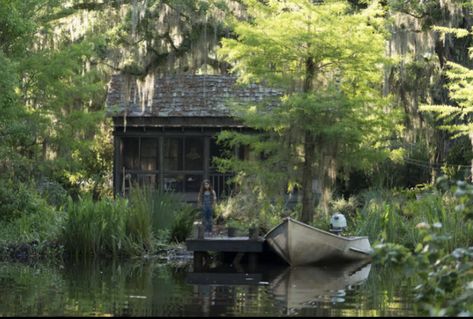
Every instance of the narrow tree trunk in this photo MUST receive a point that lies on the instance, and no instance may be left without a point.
(471, 169)
(307, 215)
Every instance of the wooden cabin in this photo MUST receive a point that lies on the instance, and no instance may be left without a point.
(165, 129)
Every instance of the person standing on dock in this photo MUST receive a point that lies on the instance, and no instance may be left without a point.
(206, 201)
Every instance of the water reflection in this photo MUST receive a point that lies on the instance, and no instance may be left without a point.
(292, 288)
(300, 287)
(149, 288)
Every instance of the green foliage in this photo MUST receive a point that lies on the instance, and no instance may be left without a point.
(428, 12)
(26, 216)
(390, 254)
(97, 228)
(446, 275)
(346, 207)
(44, 227)
(326, 61)
(252, 207)
(455, 118)
(53, 192)
(442, 267)
(392, 216)
(50, 98)
(17, 25)
(115, 227)
(171, 218)
(183, 223)
(19, 199)
(464, 199)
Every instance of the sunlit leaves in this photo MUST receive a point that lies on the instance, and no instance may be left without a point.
(327, 60)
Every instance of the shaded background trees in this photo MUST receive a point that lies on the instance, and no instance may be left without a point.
(57, 57)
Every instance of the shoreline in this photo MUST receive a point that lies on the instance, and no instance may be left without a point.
(35, 251)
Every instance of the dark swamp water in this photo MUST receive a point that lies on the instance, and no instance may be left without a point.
(153, 288)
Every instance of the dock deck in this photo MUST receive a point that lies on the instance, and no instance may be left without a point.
(226, 244)
(252, 247)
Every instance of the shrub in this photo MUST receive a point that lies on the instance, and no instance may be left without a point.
(25, 216)
(19, 199)
(53, 192)
(183, 222)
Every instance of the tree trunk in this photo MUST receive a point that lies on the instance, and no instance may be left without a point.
(471, 169)
(307, 215)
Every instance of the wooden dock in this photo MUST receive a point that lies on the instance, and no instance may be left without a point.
(252, 247)
(226, 244)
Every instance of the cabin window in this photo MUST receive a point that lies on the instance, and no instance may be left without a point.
(183, 163)
(130, 150)
(173, 154)
(149, 154)
(182, 182)
(194, 153)
(179, 168)
(192, 183)
(174, 183)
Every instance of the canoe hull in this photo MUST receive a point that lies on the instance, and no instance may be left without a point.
(300, 244)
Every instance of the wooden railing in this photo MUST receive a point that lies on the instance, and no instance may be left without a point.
(220, 182)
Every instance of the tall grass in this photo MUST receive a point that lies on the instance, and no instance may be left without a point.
(171, 218)
(108, 227)
(392, 217)
(126, 227)
(44, 226)
(98, 228)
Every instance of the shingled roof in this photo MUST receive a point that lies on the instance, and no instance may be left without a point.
(183, 95)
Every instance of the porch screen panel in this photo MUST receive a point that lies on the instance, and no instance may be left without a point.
(130, 153)
(149, 154)
(193, 183)
(194, 154)
(174, 183)
(173, 154)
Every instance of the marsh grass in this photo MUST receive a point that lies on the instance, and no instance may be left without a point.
(97, 228)
(170, 217)
(116, 227)
(125, 227)
(389, 216)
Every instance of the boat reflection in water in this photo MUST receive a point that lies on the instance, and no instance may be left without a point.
(292, 287)
(305, 286)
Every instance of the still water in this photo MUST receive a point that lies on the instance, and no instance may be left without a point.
(152, 288)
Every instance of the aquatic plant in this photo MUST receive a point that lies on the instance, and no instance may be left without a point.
(183, 222)
(171, 218)
(392, 216)
(96, 228)
(444, 272)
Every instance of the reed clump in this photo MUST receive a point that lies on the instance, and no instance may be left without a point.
(392, 217)
(124, 227)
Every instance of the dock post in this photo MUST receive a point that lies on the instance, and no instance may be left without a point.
(252, 261)
(200, 231)
(198, 260)
(201, 260)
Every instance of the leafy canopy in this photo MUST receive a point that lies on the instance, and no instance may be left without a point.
(346, 48)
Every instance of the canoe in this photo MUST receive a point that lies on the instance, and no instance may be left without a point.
(301, 244)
